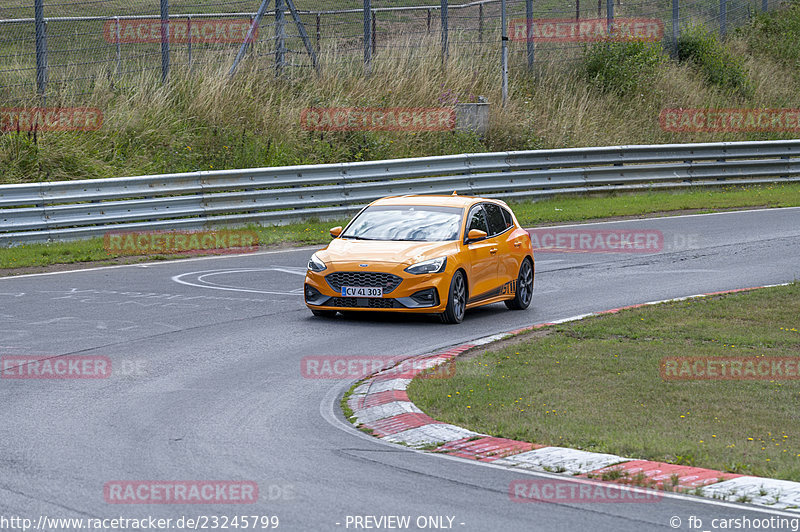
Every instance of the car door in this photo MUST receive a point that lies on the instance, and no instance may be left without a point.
(501, 233)
(482, 274)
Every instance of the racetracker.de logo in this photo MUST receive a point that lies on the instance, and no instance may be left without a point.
(729, 120)
(378, 119)
(586, 30)
(562, 491)
(180, 242)
(198, 31)
(730, 368)
(180, 492)
(358, 367)
(556, 240)
(50, 119)
(55, 367)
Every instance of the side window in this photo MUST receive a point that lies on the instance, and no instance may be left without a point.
(477, 220)
(494, 215)
(509, 219)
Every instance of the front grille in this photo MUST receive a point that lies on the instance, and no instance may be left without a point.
(363, 302)
(387, 281)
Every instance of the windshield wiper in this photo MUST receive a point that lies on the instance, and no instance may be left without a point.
(357, 237)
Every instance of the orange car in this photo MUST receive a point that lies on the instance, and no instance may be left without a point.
(424, 254)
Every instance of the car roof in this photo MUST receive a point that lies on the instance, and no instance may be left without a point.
(438, 200)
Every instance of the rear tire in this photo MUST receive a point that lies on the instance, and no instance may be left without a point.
(524, 295)
(323, 313)
(456, 300)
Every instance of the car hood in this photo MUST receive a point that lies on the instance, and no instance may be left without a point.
(400, 252)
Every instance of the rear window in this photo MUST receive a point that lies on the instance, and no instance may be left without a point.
(509, 218)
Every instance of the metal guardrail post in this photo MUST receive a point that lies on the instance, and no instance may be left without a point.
(41, 47)
(367, 37)
(164, 40)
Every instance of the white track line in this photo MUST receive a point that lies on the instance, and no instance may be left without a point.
(588, 222)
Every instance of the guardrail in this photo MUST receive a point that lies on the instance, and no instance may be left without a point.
(80, 209)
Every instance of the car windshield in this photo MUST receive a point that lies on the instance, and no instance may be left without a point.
(418, 223)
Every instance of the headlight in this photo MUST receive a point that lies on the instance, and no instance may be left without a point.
(315, 264)
(429, 266)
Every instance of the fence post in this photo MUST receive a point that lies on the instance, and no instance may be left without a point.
(250, 37)
(480, 22)
(444, 31)
(189, 40)
(280, 37)
(367, 37)
(164, 40)
(319, 28)
(676, 28)
(504, 50)
(610, 17)
(577, 9)
(41, 47)
(528, 26)
(118, 43)
(765, 5)
(428, 25)
(723, 15)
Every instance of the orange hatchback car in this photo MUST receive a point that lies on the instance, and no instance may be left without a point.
(423, 254)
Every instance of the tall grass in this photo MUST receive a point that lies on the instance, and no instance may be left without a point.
(201, 120)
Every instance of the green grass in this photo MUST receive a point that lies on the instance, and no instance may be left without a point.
(554, 210)
(595, 385)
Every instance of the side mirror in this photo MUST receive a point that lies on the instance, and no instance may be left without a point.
(476, 234)
(336, 231)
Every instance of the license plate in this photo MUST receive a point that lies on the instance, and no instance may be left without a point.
(362, 291)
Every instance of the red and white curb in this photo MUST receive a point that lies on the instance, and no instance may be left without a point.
(381, 406)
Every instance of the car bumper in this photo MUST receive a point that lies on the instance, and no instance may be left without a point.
(415, 293)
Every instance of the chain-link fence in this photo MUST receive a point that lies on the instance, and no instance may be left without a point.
(67, 45)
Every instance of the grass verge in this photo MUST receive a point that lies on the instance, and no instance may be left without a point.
(554, 210)
(595, 385)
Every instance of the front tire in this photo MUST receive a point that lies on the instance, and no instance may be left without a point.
(456, 300)
(524, 295)
(323, 313)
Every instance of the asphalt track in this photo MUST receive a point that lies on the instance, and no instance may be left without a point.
(207, 383)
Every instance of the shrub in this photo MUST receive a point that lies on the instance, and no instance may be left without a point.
(717, 65)
(621, 67)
